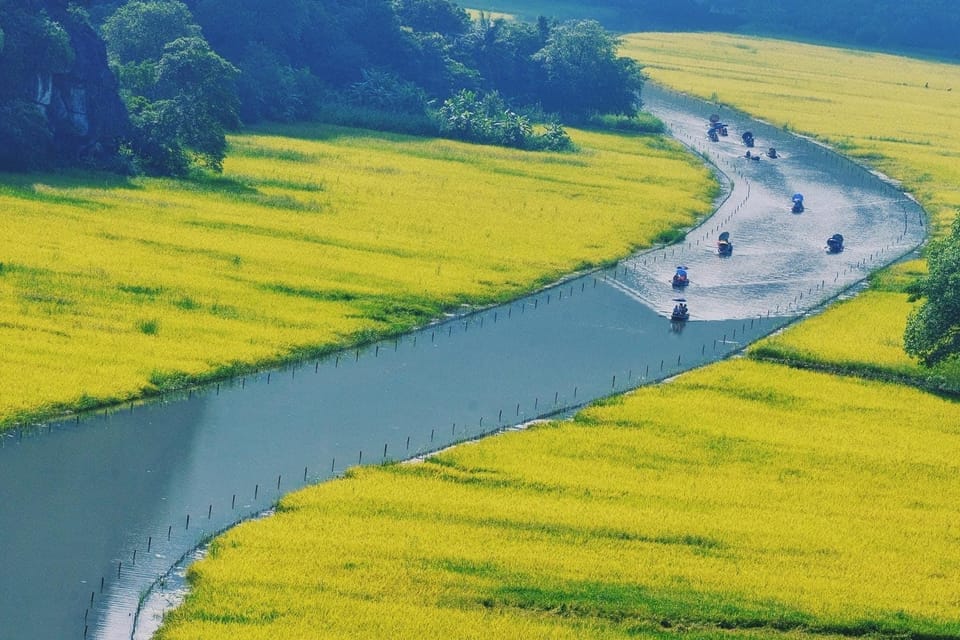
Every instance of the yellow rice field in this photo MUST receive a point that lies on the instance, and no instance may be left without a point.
(314, 237)
(862, 335)
(899, 115)
(744, 499)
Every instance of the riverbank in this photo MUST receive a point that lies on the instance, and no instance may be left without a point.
(315, 238)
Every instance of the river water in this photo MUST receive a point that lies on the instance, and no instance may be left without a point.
(94, 510)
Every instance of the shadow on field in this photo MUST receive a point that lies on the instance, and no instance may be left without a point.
(52, 188)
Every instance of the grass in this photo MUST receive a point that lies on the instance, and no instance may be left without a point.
(313, 238)
(862, 335)
(828, 507)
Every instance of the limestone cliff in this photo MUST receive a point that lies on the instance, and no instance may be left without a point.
(60, 101)
(83, 104)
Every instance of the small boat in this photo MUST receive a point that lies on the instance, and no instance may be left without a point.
(724, 246)
(835, 243)
(680, 278)
(680, 312)
(797, 203)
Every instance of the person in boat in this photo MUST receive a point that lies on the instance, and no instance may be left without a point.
(680, 277)
(772, 152)
(683, 309)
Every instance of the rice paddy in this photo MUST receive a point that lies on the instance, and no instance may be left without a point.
(744, 499)
(898, 115)
(314, 237)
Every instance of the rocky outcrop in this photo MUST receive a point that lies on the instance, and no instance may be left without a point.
(59, 101)
(83, 105)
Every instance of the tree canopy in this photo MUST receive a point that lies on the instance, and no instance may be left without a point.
(583, 75)
(190, 70)
(933, 328)
(181, 94)
(140, 29)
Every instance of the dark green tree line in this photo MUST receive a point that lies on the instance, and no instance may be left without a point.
(191, 70)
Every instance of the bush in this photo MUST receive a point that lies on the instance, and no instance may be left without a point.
(488, 120)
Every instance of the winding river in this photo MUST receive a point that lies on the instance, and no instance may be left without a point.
(94, 510)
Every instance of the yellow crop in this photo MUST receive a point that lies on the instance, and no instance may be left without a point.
(313, 237)
(742, 496)
(899, 115)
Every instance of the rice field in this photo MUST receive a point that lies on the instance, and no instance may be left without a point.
(744, 499)
(314, 237)
(898, 115)
(862, 335)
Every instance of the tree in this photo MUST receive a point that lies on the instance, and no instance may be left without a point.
(181, 95)
(487, 119)
(26, 141)
(502, 51)
(198, 97)
(582, 73)
(140, 29)
(933, 328)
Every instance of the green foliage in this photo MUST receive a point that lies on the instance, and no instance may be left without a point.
(57, 55)
(553, 138)
(440, 16)
(301, 58)
(502, 52)
(269, 88)
(26, 141)
(154, 138)
(139, 30)
(33, 44)
(933, 328)
(583, 75)
(386, 91)
(181, 95)
(339, 111)
(638, 123)
(487, 119)
(148, 327)
(198, 90)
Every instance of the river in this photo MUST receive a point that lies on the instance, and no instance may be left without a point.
(95, 509)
